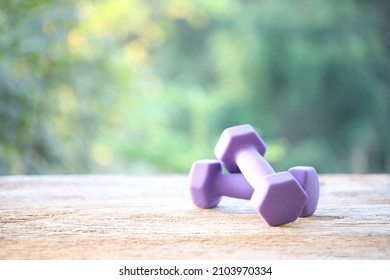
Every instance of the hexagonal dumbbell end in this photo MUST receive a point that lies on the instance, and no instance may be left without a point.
(307, 177)
(235, 139)
(208, 184)
(280, 199)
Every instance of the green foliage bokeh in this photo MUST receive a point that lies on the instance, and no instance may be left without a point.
(137, 87)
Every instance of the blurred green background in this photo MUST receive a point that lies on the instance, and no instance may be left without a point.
(146, 87)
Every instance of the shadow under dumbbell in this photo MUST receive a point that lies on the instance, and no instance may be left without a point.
(326, 217)
(235, 209)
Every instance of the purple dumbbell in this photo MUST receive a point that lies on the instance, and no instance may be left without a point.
(278, 197)
(208, 184)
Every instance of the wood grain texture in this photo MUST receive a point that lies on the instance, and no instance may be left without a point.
(127, 217)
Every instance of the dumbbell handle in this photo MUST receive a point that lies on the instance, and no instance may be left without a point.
(253, 166)
(233, 185)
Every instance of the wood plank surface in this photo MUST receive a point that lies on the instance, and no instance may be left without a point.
(130, 217)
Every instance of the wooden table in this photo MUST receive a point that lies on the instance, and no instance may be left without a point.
(128, 217)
